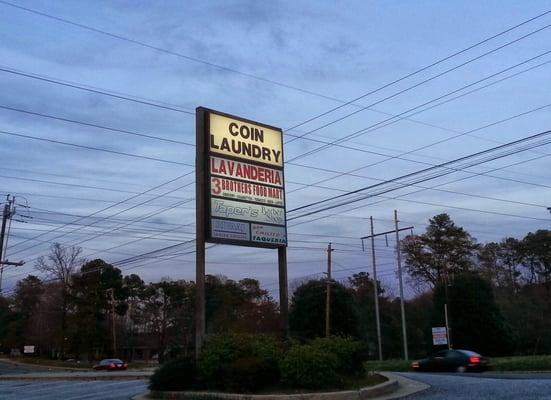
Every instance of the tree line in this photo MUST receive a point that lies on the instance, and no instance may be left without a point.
(498, 296)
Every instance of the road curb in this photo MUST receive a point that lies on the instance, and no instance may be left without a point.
(406, 387)
(371, 392)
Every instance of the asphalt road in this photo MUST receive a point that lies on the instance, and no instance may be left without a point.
(481, 386)
(7, 369)
(66, 390)
(71, 390)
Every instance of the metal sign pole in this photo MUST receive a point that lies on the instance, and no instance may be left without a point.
(283, 291)
(200, 223)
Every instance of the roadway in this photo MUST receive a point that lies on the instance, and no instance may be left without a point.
(37, 389)
(71, 390)
(442, 386)
(482, 386)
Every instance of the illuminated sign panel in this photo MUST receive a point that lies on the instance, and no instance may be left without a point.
(245, 187)
(246, 172)
(248, 141)
(232, 189)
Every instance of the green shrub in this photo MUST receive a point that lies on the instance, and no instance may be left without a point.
(178, 374)
(309, 367)
(249, 375)
(266, 348)
(351, 354)
(221, 351)
(217, 352)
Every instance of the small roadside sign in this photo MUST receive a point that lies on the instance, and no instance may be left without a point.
(439, 336)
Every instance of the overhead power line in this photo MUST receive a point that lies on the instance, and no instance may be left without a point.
(120, 153)
(120, 202)
(246, 74)
(436, 168)
(107, 128)
(396, 117)
(447, 71)
(123, 225)
(421, 190)
(88, 89)
(433, 64)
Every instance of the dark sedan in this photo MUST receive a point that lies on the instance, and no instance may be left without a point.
(111, 364)
(452, 360)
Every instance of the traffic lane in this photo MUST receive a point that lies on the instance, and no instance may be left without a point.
(71, 390)
(506, 375)
(461, 387)
(9, 368)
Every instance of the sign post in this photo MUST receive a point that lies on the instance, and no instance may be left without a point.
(240, 195)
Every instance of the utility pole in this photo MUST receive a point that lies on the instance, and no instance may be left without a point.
(446, 314)
(111, 292)
(328, 293)
(401, 284)
(375, 283)
(376, 291)
(447, 324)
(6, 216)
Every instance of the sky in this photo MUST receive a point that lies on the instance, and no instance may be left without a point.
(97, 125)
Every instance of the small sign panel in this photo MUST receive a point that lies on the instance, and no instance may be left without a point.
(245, 186)
(439, 336)
(233, 230)
(231, 189)
(238, 210)
(269, 234)
(246, 172)
(28, 349)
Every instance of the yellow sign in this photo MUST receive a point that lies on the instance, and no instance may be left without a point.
(244, 140)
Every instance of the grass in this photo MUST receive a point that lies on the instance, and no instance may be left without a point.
(521, 363)
(503, 364)
(387, 365)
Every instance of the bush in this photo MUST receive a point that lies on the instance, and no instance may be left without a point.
(267, 348)
(178, 374)
(351, 354)
(221, 352)
(248, 375)
(309, 367)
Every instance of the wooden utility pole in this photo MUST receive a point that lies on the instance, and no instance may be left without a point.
(375, 283)
(328, 293)
(112, 295)
(402, 308)
(376, 292)
(5, 216)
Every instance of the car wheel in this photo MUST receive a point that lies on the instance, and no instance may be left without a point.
(461, 369)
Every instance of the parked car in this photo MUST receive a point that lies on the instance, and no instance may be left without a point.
(111, 364)
(452, 360)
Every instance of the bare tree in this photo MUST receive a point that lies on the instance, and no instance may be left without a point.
(60, 265)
